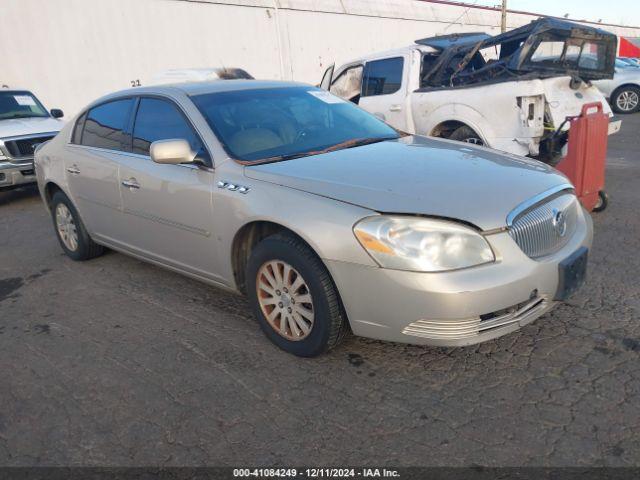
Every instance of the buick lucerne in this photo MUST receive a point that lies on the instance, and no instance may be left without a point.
(323, 215)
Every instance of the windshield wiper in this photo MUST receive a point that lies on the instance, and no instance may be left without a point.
(351, 143)
(354, 142)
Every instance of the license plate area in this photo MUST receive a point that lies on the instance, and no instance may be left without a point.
(572, 274)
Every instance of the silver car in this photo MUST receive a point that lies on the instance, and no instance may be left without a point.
(322, 214)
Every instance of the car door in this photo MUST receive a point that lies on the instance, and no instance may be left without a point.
(348, 83)
(168, 207)
(91, 165)
(384, 90)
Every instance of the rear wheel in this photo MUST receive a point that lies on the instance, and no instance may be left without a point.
(70, 230)
(626, 99)
(293, 297)
(467, 135)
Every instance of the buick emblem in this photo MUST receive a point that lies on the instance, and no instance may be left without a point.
(35, 146)
(559, 222)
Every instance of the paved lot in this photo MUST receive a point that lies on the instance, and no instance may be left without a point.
(118, 362)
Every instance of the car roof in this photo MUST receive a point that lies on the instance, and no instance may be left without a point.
(197, 88)
(15, 90)
(385, 54)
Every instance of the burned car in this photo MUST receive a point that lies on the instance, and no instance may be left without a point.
(512, 92)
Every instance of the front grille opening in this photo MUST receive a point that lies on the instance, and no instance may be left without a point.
(509, 311)
(27, 173)
(515, 313)
(2, 177)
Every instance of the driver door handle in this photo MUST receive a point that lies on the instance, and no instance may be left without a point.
(131, 183)
(395, 108)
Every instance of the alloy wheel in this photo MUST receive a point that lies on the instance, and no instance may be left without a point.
(285, 300)
(628, 100)
(66, 227)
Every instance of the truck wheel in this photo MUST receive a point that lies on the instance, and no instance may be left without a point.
(71, 233)
(626, 99)
(293, 297)
(467, 135)
(603, 201)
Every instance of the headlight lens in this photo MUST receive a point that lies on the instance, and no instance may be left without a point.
(422, 244)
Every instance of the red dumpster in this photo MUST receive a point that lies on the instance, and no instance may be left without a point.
(587, 154)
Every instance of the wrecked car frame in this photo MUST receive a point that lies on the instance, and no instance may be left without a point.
(512, 92)
(545, 48)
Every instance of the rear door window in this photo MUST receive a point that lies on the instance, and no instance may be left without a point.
(159, 119)
(105, 124)
(382, 77)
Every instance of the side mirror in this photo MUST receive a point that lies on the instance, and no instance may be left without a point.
(173, 151)
(57, 113)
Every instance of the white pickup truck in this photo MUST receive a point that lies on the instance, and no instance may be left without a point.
(24, 124)
(512, 92)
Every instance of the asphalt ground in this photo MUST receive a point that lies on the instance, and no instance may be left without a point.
(117, 362)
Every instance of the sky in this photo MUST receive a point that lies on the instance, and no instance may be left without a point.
(621, 12)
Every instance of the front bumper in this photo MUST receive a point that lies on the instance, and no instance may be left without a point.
(615, 124)
(456, 308)
(16, 174)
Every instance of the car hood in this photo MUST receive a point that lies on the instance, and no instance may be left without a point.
(29, 126)
(416, 175)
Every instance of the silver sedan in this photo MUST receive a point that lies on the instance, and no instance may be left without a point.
(323, 215)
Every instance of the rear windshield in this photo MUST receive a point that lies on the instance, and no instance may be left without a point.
(569, 53)
(259, 124)
(20, 104)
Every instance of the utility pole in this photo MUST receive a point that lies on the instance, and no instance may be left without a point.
(503, 22)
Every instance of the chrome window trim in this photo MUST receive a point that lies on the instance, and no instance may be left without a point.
(137, 155)
(527, 204)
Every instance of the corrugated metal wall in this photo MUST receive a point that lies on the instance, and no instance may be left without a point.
(72, 51)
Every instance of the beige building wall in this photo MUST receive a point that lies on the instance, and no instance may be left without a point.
(71, 51)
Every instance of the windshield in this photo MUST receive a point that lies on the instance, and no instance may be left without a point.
(274, 124)
(22, 104)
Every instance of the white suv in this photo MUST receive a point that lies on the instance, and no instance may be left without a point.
(24, 124)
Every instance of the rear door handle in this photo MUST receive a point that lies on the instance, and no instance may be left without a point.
(73, 169)
(131, 183)
(395, 108)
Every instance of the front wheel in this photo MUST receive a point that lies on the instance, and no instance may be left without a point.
(71, 232)
(293, 297)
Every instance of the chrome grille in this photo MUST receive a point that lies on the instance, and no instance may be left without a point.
(460, 329)
(24, 147)
(538, 231)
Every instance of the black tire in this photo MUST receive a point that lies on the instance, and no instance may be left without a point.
(603, 201)
(329, 325)
(86, 248)
(467, 135)
(629, 89)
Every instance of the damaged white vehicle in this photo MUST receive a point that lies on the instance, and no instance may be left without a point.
(512, 92)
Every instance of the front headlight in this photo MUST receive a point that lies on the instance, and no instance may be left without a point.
(421, 244)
